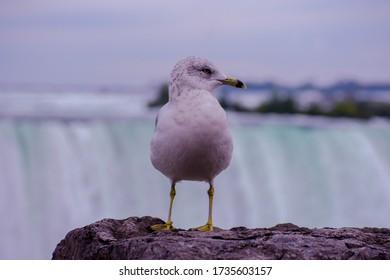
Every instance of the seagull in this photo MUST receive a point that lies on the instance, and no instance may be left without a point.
(191, 140)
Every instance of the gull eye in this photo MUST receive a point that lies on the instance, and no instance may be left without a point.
(206, 71)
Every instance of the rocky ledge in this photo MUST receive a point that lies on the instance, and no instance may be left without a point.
(132, 238)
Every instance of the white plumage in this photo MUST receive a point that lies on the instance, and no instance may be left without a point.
(191, 139)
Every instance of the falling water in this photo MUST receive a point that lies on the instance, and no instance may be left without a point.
(58, 173)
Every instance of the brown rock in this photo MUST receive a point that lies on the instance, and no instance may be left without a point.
(132, 238)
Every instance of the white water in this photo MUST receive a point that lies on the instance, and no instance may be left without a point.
(60, 173)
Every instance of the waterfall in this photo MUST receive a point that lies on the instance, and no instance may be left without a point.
(57, 174)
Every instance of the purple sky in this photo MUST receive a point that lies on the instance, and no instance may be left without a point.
(137, 42)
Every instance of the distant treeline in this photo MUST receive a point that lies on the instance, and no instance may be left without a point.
(345, 108)
(349, 107)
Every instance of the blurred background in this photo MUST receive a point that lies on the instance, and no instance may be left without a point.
(81, 83)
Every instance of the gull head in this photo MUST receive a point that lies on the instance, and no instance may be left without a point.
(196, 73)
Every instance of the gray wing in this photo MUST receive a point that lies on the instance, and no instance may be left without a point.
(155, 123)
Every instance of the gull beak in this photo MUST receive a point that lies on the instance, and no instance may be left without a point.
(233, 82)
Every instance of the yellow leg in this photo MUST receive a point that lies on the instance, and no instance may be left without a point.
(168, 225)
(209, 224)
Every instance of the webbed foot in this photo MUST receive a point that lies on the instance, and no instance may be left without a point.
(205, 227)
(166, 226)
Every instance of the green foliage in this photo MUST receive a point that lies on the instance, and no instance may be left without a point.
(277, 105)
(362, 110)
(380, 109)
(162, 98)
(314, 110)
(344, 109)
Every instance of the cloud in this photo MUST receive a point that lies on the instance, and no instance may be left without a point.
(294, 40)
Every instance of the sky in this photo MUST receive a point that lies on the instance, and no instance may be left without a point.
(125, 42)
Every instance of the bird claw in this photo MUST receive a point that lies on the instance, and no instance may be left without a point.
(206, 227)
(166, 226)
